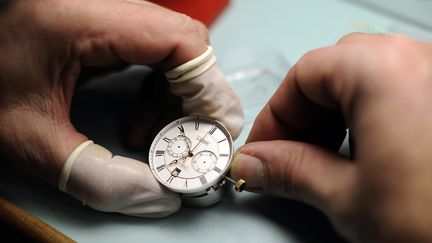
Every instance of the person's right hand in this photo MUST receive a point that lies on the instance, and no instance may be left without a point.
(380, 88)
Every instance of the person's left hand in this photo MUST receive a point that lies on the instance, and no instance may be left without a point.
(44, 46)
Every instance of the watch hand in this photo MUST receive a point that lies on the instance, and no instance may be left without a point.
(173, 162)
(202, 139)
(178, 160)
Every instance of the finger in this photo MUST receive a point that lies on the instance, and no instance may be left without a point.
(302, 108)
(315, 125)
(322, 92)
(115, 184)
(135, 32)
(352, 37)
(203, 31)
(359, 37)
(295, 170)
(47, 148)
(90, 173)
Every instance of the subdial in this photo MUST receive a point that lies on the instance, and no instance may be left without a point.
(204, 161)
(179, 146)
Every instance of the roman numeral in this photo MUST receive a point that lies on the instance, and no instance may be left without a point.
(203, 180)
(213, 129)
(223, 155)
(160, 152)
(185, 184)
(170, 179)
(160, 167)
(222, 140)
(197, 123)
(167, 140)
(217, 169)
(181, 128)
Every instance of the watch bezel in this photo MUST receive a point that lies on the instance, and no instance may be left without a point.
(210, 183)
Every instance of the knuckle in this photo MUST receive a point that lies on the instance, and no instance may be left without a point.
(200, 26)
(186, 39)
(350, 37)
(305, 59)
(292, 178)
(187, 32)
(202, 29)
(398, 53)
(188, 25)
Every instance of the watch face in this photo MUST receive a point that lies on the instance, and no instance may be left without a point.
(191, 154)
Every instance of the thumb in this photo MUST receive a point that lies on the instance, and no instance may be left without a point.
(295, 170)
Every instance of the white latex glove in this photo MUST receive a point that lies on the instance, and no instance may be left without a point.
(45, 45)
(115, 184)
(118, 184)
(205, 91)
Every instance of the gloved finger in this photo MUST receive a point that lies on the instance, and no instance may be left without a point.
(295, 170)
(177, 39)
(170, 38)
(207, 94)
(115, 184)
(205, 91)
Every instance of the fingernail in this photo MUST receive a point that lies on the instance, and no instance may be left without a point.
(250, 169)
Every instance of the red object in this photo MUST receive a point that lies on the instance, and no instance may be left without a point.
(204, 10)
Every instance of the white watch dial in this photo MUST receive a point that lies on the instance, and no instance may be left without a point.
(204, 161)
(179, 146)
(191, 154)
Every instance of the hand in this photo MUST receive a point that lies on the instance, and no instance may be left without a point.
(44, 46)
(380, 88)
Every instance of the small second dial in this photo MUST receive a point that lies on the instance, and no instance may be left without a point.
(204, 161)
(179, 146)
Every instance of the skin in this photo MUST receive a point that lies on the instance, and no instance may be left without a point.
(45, 44)
(380, 88)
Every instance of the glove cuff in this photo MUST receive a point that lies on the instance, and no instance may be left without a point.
(192, 68)
(67, 167)
(210, 95)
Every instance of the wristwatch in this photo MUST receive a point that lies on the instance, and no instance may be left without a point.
(192, 156)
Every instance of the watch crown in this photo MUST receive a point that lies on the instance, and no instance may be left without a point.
(240, 185)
